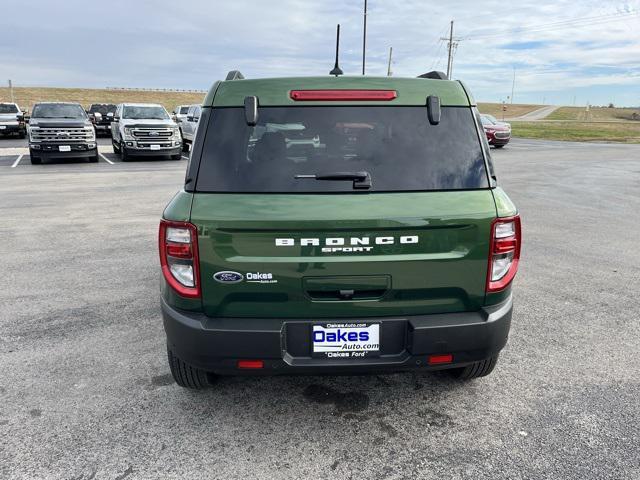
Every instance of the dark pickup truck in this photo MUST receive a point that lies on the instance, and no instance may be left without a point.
(101, 115)
(61, 130)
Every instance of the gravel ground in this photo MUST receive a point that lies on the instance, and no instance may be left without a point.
(85, 390)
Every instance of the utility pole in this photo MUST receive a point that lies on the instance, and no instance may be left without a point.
(11, 91)
(389, 64)
(452, 45)
(364, 37)
(513, 84)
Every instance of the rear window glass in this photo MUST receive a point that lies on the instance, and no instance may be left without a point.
(396, 146)
(8, 108)
(58, 110)
(102, 109)
(184, 110)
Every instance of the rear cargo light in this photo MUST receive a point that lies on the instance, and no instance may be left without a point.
(350, 95)
(178, 245)
(250, 364)
(504, 252)
(439, 359)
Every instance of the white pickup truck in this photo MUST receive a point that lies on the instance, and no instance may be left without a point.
(145, 129)
(12, 120)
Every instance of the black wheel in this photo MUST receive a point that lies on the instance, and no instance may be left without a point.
(185, 147)
(116, 147)
(475, 370)
(185, 375)
(34, 160)
(498, 146)
(124, 156)
(177, 156)
(94, 159)
(21, 135)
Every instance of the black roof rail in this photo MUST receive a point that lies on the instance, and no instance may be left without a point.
(234, 75)
(434, 74)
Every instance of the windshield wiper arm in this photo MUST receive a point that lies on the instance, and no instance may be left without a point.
(361, 180)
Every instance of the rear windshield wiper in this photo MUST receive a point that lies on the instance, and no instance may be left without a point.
(361, 180)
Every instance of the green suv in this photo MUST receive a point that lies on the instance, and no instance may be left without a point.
(337, 225)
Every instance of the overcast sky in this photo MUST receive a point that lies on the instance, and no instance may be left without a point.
(587, 49)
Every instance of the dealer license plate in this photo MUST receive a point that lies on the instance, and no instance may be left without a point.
(346, 340)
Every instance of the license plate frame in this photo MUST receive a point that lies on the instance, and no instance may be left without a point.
(332, 340)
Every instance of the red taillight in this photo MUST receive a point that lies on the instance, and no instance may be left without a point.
(250, 364)
(439, 359)
(178, 245)
(504, 252)
(347, 95)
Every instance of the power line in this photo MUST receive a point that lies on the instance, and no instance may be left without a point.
(553, 26)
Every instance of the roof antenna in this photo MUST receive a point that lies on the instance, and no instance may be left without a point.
(336, 69)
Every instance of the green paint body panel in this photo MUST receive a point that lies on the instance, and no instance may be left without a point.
(504, 206)
(275, 91)
(179, 208)
(444, 272)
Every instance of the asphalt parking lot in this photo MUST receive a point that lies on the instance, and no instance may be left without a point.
(85, 390)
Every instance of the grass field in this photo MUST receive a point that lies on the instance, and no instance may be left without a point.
(626, 132)
(514, 110)
(27, 96)
(594, 114)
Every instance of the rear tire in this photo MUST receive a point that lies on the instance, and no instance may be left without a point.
(177, 156)
(475, 370)
(94, 159)
(116, 147)
(498, 146)
(185, 375)
(185, 147)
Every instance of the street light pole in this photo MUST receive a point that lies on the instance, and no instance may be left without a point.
(389, 65)
(364, 37)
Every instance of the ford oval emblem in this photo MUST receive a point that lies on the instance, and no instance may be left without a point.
(228, 277)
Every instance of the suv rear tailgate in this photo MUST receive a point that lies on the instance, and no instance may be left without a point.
(426, 253)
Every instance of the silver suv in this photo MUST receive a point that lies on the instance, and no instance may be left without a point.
(189, 126)
(145, 129)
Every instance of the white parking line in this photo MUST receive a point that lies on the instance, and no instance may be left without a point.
(106, 159)
(186, 158)
(15, 164)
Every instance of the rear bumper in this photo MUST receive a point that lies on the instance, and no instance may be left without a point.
(216, 344)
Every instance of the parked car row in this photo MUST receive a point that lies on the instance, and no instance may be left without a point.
(66, 130)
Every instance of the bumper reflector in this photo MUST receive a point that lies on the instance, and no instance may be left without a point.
(439, 359)
(250, 364)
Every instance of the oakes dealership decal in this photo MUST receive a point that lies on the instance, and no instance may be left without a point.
(346, 245)
(249, 277)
